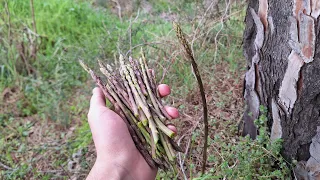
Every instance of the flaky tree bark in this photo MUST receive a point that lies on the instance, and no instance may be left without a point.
(281, 45)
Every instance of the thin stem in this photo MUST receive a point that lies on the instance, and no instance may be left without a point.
(135, 83)
(164, 128)
(144, 132)
(116, 86)
(131, 99)
(136, 95)
(164, 112)
(166, 148)
(138, 74)
(147, 72)
(157, 112)
(189, 54)
(6, 167)
(145, 79)
(175, 146)
(143, 117)
(9, 22)
(138, 144)
(33, 17)
(166, 138)
(141, 104)
(126, 112)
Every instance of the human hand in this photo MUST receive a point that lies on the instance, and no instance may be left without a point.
(117, 156)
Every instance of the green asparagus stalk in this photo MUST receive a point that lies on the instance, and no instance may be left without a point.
(132, 90)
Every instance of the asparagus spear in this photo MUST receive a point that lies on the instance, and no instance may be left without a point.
(132, 90)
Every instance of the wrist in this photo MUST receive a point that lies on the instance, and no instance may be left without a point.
(106, 170)
(121, 167)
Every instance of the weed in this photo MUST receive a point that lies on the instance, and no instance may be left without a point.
(247, 158)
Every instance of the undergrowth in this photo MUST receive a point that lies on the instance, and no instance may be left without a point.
(241, 157)
(249, 159)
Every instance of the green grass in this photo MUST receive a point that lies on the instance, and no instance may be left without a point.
(68, 31)
(52, 101)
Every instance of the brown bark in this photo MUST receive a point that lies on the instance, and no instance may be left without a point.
(284, 72)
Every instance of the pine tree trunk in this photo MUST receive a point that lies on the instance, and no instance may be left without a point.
(282, 48)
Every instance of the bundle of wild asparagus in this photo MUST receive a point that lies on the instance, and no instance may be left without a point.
(133, 92)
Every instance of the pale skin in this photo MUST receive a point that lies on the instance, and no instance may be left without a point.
(117, 156)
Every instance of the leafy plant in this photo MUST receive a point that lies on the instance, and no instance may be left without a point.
(249, 159)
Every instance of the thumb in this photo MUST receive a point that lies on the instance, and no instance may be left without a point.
(97, 104)
(97, 99)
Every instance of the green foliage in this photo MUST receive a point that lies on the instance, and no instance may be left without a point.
(247, 158)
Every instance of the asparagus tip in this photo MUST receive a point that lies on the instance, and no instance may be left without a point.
(84, 66)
